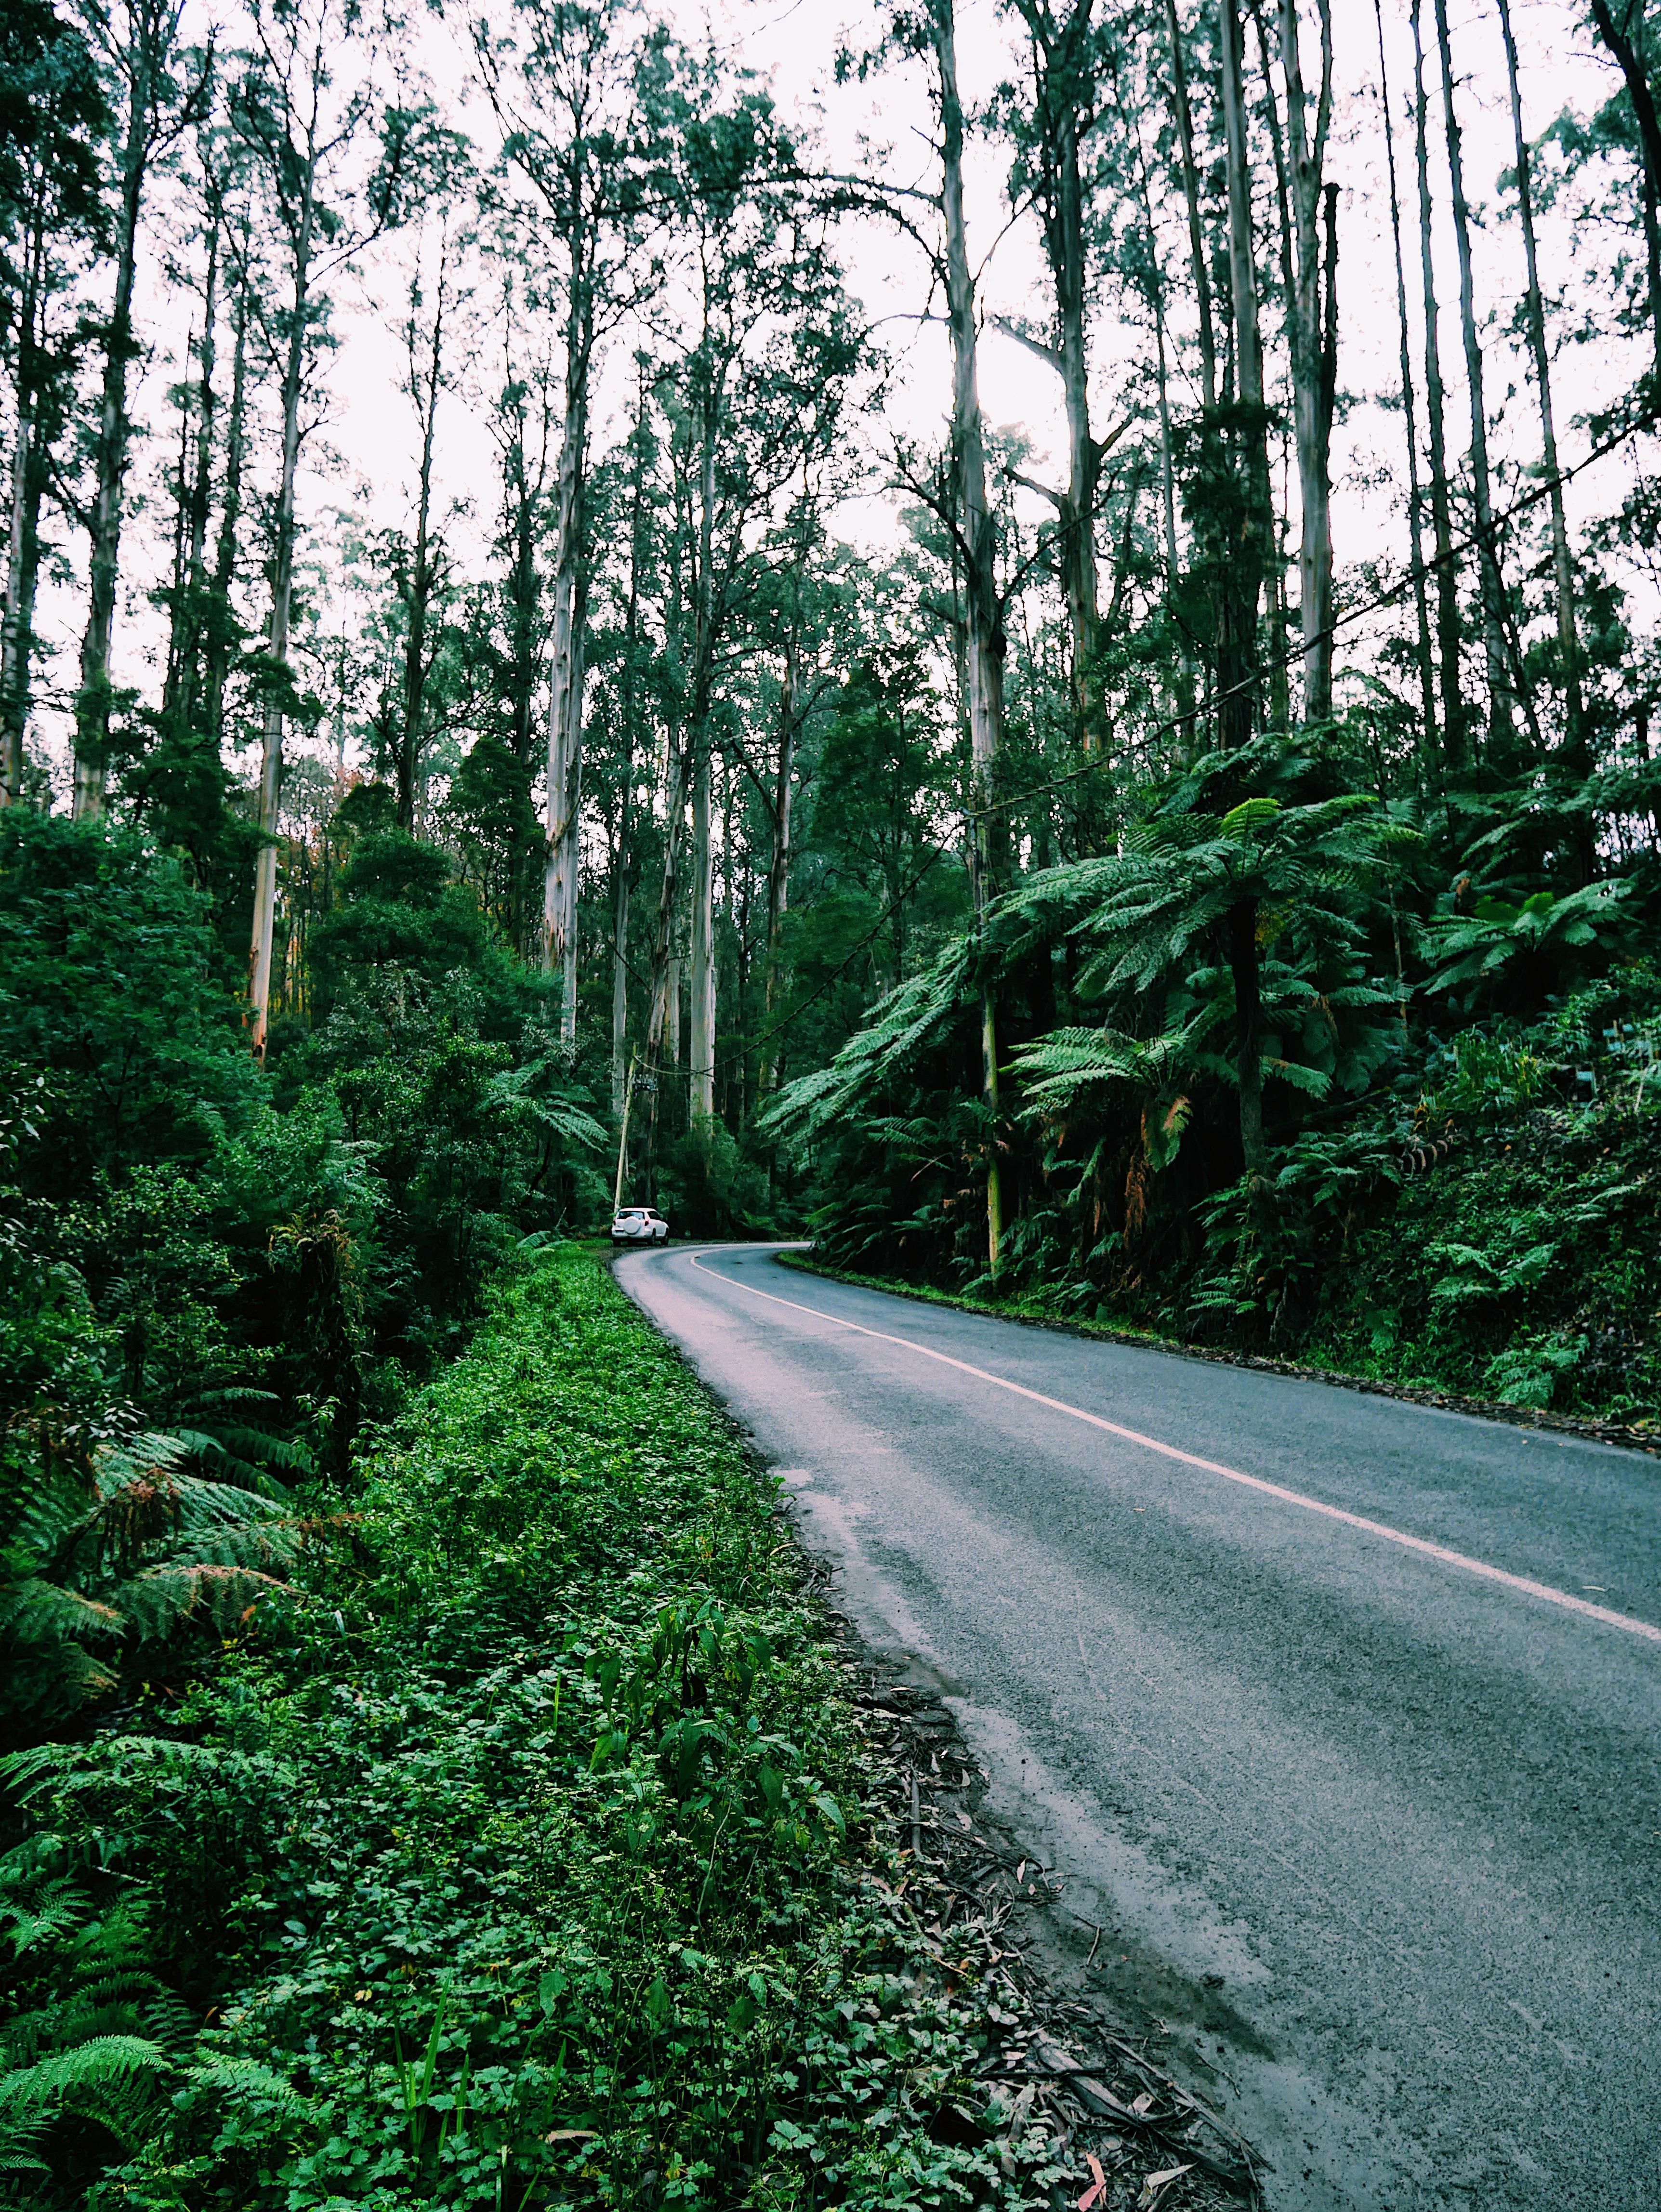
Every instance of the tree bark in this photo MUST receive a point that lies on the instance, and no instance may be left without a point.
(1409, 416)
(217, 647)
(1492, 589)
(30, 471)
(984, 639)
(1241, 563)
(180, 691)
(1312, 340)
(778, 864)
(1064, 73)
(271, 767)
(1191, 195)
(93, 700)
(1454, 731)
(1631, 62)
(565, 685)
(1576, 755)
(420, 581)
(703, 946)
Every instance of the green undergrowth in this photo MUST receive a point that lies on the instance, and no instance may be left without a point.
(522, 1856)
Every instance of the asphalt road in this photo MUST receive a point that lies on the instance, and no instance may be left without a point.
(1371, 1816)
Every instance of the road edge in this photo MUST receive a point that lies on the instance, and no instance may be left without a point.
(1521, 1417)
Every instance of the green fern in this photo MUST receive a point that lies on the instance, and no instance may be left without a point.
(127, 1545)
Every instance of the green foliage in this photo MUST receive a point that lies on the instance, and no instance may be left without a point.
(1512, 953)
(111, 982)
(118, 1540)
(525, 1854)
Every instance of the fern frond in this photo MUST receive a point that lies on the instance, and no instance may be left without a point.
(99, 2064)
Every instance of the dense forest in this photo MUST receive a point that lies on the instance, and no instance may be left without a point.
(528, 674)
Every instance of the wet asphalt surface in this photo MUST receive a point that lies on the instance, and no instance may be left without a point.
(1375, 1837)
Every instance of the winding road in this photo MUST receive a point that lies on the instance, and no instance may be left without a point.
(1341, 1716)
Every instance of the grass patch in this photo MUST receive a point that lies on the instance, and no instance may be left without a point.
(520, 1856)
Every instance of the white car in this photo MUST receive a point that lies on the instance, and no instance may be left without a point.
(639, 1225)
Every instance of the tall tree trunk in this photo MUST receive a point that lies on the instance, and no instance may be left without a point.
(22, 562)
(1191, 197)
(620, 949)
(270, 766)
(93, 700)
(1243, 566)
(565, 685)
(1312, 343)
(630, 692)
(29, 474)
(1492, 589)
(1183, 685)
(1409, 416)
(1237, 642)
(984, 628)
(1454, 732)
(1064, 70)
(217, 651)
(425, 386)
(1630, 58)
(702, 947)
(1576, 756)
(181, 695)
(778, 864)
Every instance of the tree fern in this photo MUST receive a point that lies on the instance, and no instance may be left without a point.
(128, 1545)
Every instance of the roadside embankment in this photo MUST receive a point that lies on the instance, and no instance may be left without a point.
(548, 1844)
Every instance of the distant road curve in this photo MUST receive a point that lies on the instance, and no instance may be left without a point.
(1341, 1715)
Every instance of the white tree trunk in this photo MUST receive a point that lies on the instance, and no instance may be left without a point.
(702, 1008)
(559, 882)
(984, 642)
(1311, 406)
(270, 766)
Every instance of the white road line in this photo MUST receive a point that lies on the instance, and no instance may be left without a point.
(1461, 1560)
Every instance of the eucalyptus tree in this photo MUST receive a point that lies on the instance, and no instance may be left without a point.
(1314, 332)
(755, 394)
(419, 559)
(1425, 658)
(1576, 755)
(52, 225)
(1624, 29)
(1455, 735)
(574, 88)
(157, 90)
(927, 33)
(1241, 524)
(1500, 688)
(1053, 115)
(523, 418)
(342, 157)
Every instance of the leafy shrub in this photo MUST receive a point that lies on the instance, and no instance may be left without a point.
(523, 1857)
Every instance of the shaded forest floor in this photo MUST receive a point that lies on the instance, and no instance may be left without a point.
(550, 1840)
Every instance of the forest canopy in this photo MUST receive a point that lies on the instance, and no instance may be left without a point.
(1022, 642)
(515, 607)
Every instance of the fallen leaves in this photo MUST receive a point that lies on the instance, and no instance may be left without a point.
(1156, 2184)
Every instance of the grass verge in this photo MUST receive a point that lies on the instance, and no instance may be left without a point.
(1034, 1312)
(532, 1851)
